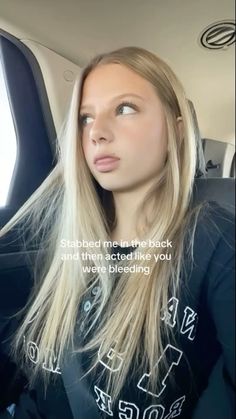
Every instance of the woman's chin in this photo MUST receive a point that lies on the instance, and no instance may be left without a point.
(114, 186)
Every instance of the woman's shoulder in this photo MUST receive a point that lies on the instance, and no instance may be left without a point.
(212, 210)
(210, 240)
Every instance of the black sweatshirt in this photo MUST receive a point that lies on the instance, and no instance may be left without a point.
(201, 360)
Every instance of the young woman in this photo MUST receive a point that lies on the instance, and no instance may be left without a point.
(132, 315)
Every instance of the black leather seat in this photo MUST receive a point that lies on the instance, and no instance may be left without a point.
(220, 190)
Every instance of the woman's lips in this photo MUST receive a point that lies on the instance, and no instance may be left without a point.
(106, 164)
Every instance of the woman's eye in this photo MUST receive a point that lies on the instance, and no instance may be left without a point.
(126, 108)
(85, 120)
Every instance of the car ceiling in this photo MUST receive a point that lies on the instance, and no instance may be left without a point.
(79, 29)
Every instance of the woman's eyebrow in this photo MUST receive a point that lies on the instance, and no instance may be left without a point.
(114, 99)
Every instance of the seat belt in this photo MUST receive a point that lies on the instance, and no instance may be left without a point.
(84, 406)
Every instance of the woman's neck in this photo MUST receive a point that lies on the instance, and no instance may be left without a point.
(126, 205)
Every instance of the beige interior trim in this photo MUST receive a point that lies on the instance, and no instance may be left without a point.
(59, 75)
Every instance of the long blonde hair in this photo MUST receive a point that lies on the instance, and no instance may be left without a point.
(70, 205)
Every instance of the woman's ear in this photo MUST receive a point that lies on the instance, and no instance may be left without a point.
(180, 128)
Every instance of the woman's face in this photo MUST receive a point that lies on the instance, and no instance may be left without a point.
(122, 118)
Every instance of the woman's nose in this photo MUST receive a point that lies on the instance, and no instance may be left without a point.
(101, 130)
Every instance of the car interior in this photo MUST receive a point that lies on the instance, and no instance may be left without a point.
(44, 46)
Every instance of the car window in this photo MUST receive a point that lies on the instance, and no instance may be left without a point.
(8, 145)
